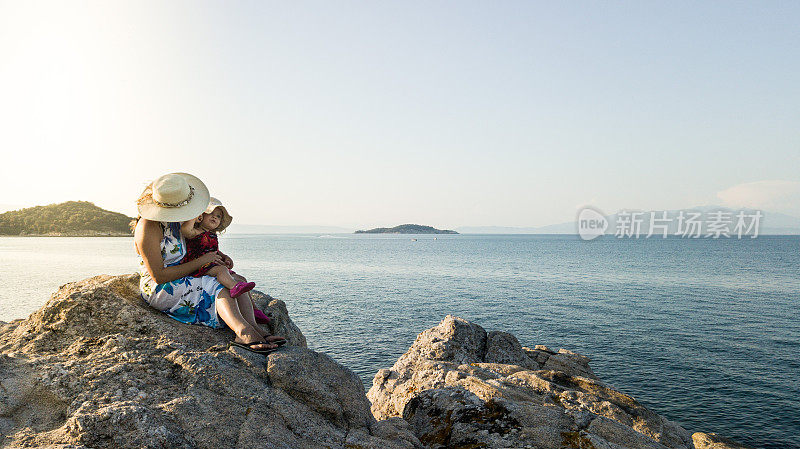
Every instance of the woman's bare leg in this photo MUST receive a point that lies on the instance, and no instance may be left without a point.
(247, 310)
(230, 312)
(249, 315)
(246, 307)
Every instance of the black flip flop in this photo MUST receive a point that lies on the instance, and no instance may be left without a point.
(278, 342)
(249, 347)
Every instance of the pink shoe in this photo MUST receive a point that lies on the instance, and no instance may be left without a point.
(261, 318)
(242, 287)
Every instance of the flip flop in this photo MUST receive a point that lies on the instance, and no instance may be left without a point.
(241, 287)
(249, 347)
(261, 317)
(280, 342)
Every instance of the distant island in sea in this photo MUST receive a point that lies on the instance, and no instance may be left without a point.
(407, 229)
(72, 218)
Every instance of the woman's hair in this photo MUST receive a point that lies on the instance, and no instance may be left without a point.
(134, 222)
(146, 193)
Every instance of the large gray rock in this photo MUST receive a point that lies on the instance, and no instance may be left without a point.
(96, 367)
(459, 386)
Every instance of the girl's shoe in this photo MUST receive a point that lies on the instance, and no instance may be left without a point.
(261, 318)
(242, 287)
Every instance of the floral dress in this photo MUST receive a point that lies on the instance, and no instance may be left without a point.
(188, 299)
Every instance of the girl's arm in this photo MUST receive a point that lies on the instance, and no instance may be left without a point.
(147, 237)
(188, 229)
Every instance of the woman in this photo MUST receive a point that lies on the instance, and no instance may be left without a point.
(169, 202)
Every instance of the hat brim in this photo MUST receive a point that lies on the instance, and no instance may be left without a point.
(151, 211)
(226, 220)
(226, 217)
(214, 203)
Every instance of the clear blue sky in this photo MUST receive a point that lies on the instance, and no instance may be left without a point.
(363, 114)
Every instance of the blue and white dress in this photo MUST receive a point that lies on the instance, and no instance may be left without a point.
(188, 299)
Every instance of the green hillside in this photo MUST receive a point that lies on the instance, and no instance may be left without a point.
(70, 218)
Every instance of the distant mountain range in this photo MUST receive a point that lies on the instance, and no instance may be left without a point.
(500, 230)
(279, 229)
(84, 218)
(772, 223)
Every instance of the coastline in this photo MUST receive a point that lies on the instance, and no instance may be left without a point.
(458, 385)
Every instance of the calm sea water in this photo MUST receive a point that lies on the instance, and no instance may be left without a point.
(705, 332)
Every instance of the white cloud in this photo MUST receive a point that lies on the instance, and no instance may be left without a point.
(776, 196)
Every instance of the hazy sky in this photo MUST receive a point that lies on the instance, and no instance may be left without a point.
(363, 114)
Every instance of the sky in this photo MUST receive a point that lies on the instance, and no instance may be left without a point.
(363, 114)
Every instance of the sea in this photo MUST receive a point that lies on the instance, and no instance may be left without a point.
(703, 331)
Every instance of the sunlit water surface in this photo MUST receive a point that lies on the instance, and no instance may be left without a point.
(705, 332)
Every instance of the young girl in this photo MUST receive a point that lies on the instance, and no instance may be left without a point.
(201, 238)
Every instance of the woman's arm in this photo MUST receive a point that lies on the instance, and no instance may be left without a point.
(147, 237)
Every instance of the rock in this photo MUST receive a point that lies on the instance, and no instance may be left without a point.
(459, 386)
(96, 367)
(279, 324)
(714, 441)
(504, 348)
(319, 382)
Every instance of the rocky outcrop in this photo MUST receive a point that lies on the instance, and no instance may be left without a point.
(713, 441)
(96, 367)
(461, 387)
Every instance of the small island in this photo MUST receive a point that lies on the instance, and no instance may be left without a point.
(407, 229)
(69, 219)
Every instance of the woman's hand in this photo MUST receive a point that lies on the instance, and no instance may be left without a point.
(211, 257)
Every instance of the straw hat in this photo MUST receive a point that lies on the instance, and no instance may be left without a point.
(214, 203)
(173, 197)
